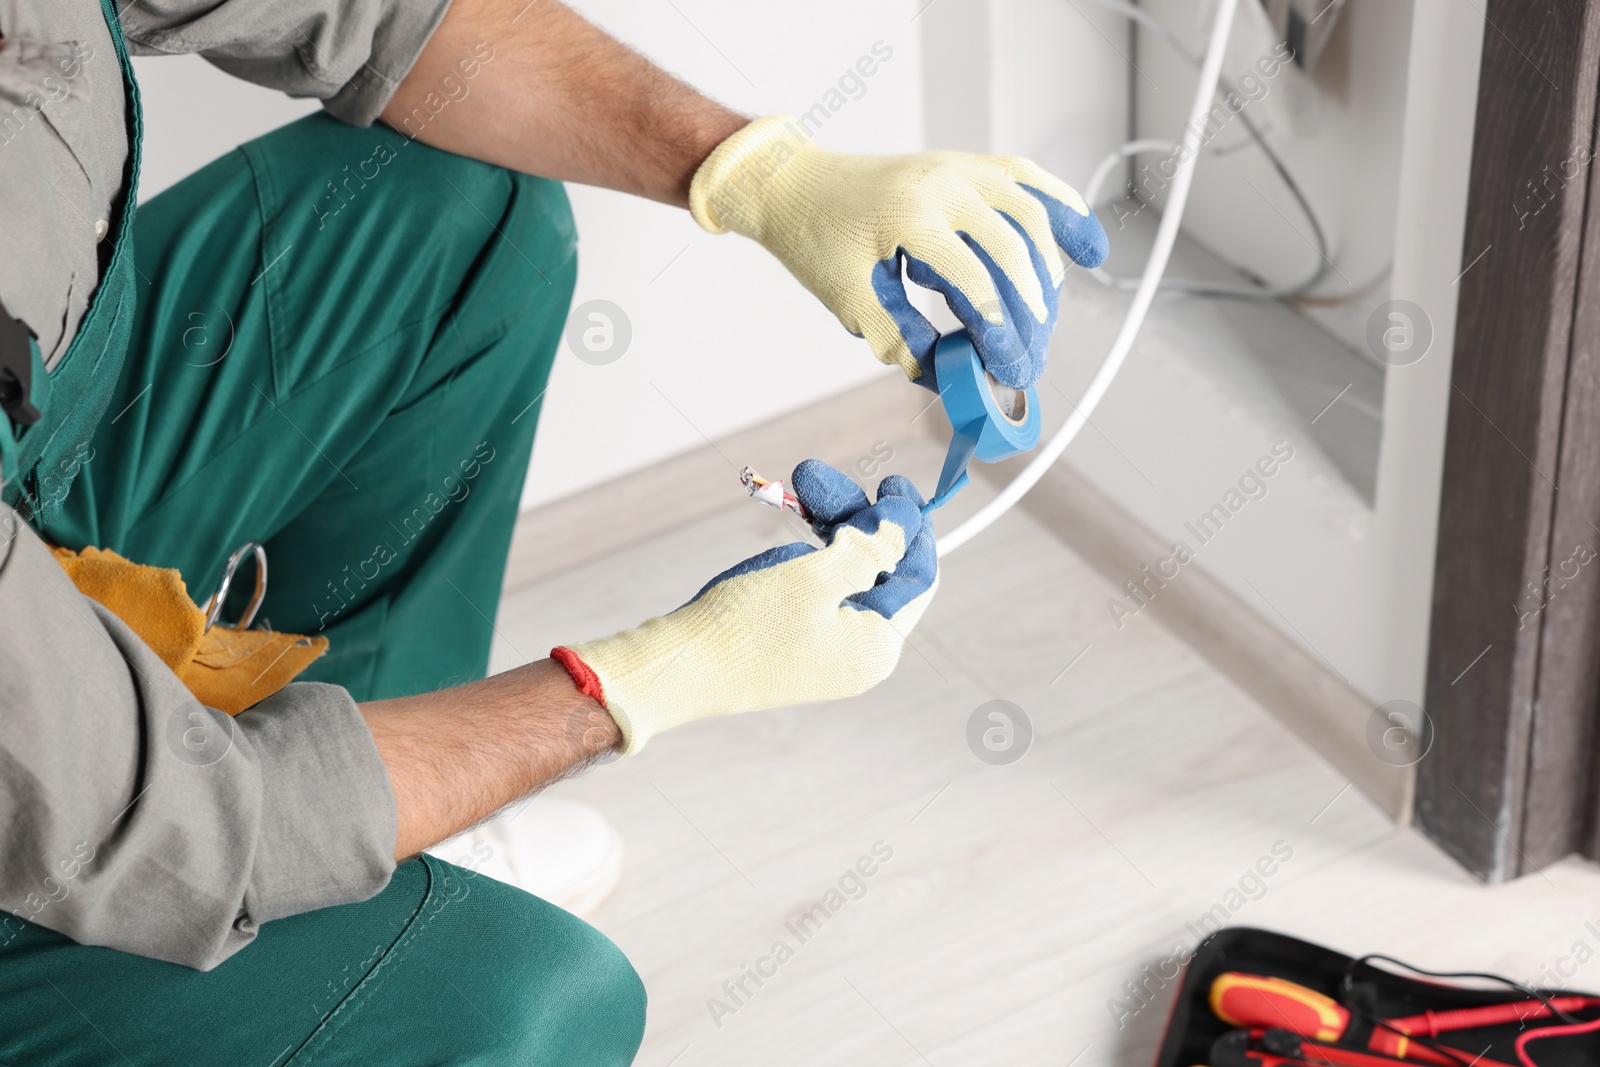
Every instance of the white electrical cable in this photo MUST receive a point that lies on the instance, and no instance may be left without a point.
(1166, 238)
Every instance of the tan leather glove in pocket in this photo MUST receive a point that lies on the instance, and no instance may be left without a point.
(223, 667)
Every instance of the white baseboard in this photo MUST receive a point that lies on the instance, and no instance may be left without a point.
(1327, 714)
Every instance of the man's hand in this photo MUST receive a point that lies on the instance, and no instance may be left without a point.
(792, 625)
(982, 230)
(561, 99)
(457, 756)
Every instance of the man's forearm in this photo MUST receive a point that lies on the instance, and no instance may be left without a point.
(457, 756)
(562, 99)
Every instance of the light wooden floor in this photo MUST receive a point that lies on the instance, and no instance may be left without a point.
(1018, 899)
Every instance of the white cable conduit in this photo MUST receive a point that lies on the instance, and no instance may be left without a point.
(1166, 238)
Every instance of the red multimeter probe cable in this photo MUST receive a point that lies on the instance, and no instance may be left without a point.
(1258, 1004)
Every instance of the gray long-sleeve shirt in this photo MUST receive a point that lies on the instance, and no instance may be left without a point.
(130, 816)
(63, 139)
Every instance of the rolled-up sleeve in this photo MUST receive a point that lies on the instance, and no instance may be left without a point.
(135, 818)
(350, 54)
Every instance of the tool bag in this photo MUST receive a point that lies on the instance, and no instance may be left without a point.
(1253, 998)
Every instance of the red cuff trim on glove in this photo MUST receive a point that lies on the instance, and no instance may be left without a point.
(586, 680)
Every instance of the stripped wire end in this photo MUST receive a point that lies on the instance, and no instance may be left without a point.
(772, 493)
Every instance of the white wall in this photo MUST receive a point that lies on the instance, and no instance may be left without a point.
(722, 337)
(1038, 78)
(1445, 45)
(194, 113)
(1060, 83)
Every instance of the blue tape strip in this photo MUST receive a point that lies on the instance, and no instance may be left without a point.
(982, 430)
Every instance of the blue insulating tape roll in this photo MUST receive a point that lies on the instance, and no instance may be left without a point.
(983, 430)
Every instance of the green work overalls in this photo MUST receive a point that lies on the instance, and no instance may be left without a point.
(332, 340)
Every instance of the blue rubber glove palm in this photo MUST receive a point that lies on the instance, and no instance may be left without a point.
(791, 625)
(833, 500)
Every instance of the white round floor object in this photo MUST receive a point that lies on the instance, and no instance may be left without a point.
(557, 849)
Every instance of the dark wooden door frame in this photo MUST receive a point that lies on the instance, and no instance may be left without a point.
(1513, 686)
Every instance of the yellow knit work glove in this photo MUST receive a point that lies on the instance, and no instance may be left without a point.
(985, 231)
(792, 625)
